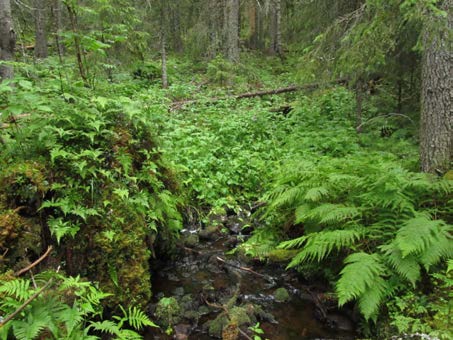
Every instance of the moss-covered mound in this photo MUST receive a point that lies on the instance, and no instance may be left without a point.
(88, 179)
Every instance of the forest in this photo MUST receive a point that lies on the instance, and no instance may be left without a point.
(226, 169)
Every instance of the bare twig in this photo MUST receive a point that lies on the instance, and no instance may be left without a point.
(26, 269)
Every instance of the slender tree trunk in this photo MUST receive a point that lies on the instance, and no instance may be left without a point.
(252, 16)
(56, 14)
(164, 60)
(77, 42)
(40, 29)
(163, 52)
(232, 30)
(436, 126)
(276, 34)
(7, 38)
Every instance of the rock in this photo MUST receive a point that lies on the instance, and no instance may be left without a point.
(182, 332)
(281, 295)
(209, 233)
(191, 240)
(168, 311)
(178, 291)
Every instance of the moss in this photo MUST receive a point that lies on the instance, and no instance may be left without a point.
(282, 255)
(281, 295)
(239, 316)
(168, 311)
(216, 325)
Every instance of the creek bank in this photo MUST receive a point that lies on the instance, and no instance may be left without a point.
(220, 295)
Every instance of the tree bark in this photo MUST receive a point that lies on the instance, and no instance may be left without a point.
(40, 29)
(232, 30)
(276, 34)
(436, 121)
(57, 26)
(7, 39)
(164, 60)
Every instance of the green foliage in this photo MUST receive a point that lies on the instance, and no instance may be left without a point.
(62, 311)
(353, 201)
(90, 167)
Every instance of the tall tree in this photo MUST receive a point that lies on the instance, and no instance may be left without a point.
(7, 38)
(436, 130)
(40, 28)
(232, 30)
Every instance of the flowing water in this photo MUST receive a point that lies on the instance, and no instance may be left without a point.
(202, 274)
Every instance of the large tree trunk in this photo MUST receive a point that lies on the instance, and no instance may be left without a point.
(40, 29)
(436, 126)
(7, 38)
(232, 30)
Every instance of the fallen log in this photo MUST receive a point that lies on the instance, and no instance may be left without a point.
(293, 88)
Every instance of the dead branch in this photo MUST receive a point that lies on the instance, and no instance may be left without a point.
(180, 104)
(239, 267)
(25, 304)
(26, 269)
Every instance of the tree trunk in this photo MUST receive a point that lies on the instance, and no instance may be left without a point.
(77, 43)
(276, 34)
(436, 125)
(7, 38)
(232, 30)
(40, 29)
(56, 14)
(163, 52)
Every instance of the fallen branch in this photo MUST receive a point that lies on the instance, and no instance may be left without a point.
(180, 104)
(25, 304)
(239, 267)
(26, 269)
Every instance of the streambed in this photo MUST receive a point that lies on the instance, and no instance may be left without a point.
(207, 284)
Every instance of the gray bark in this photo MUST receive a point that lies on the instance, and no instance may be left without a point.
(436, 125)
(232, 30)
(7, 38)
(40, 29)
(276, 34)
(56, 13)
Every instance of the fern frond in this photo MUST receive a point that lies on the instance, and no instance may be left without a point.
(418, 235)
(106, 326)
(443, 249)
(320, 245)
(294, 243)
(316, 194)
(362, 271)
(18, 289)
(339, 214)
(370, 301)
(137, 318)
(408, 267)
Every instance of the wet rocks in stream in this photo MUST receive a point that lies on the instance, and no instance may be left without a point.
(205, 293)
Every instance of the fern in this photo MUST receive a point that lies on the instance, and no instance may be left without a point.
(18, 289)
(408, 267)
(319, 245)
(136, 318)
(421, 235)
(361, 272)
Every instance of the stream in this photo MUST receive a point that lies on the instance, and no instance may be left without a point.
(206, 283)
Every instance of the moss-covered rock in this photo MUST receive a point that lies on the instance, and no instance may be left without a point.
(281, 294)
(282, 255)
(168, 311)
